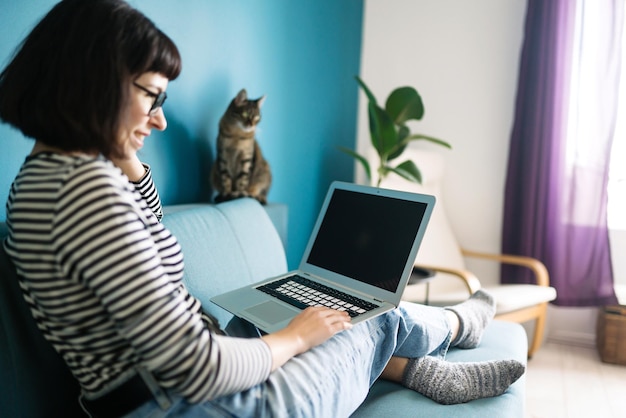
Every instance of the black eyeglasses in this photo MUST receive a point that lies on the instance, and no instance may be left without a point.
(159, 98)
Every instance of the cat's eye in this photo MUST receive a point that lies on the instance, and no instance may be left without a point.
(244, 114)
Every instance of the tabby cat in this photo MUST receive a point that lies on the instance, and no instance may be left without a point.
(240, 169)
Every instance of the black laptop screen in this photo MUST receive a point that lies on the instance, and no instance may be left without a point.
(367, 237)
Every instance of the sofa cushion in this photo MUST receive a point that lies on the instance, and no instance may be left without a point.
(502, 340)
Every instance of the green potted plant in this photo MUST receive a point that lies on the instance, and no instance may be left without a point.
(390, 134)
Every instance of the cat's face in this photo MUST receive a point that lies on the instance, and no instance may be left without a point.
(246, 112)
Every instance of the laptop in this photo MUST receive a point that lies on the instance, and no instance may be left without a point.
(359, 258)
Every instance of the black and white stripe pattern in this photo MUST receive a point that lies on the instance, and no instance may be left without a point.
(102, 277)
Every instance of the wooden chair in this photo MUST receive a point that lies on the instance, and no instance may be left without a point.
(441, 252)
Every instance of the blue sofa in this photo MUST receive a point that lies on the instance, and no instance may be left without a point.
(225, 246)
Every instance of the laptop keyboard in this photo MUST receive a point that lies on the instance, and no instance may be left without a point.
(302, 293)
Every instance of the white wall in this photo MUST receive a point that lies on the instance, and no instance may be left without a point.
(463, 58)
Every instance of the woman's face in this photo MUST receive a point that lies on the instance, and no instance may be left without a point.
(138, 120)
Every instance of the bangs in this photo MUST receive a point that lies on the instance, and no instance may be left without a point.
(166, 59)
(153, 51)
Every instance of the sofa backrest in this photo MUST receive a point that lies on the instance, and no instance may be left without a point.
(225, 246)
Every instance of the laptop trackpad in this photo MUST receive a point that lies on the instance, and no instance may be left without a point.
(271, 312)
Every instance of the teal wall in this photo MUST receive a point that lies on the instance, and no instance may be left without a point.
(301, 54)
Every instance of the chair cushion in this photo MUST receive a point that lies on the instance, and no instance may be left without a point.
(511, 297)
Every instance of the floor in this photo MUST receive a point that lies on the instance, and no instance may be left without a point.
(567, 381)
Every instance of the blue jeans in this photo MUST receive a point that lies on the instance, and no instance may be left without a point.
(332, 379)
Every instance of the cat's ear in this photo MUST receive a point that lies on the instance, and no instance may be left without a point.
(242, 96)
(260, 101)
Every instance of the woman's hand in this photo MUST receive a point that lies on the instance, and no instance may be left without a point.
(316, 324)
(311, 327)
(131, 166)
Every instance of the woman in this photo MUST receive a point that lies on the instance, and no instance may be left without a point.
(103, 277)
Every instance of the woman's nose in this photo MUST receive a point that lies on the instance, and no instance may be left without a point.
(158, 120)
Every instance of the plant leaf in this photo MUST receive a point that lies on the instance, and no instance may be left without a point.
(382, 131)
(359, 158)
(403, 133)
(368, 92)
(409, 171)
(427, 138)
(404, 103)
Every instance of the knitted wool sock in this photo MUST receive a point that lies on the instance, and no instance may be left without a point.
(451, 383)
(474, 315)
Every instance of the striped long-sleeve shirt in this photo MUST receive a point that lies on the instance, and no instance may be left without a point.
(103, 279)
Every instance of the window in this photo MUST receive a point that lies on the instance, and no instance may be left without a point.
(617, 173)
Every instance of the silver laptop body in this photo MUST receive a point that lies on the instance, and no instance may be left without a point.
(364, 244)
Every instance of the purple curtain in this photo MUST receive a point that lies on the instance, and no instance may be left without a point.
(556, 187)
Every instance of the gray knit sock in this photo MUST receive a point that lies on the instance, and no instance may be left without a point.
(451, 383)
(474, 315)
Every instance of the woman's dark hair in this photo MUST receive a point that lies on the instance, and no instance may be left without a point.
(68, 82)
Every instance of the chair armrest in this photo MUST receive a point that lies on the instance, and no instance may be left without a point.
(471, 281)
(537, 267)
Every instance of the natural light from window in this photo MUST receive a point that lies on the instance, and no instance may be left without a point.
(617, 174)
